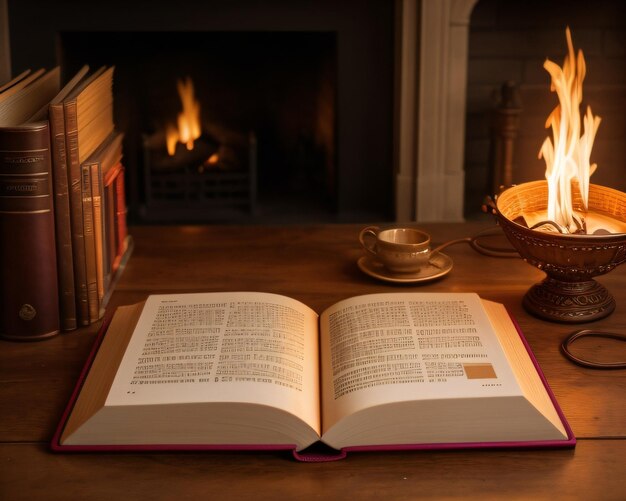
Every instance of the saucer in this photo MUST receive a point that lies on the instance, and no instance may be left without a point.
(439, 265)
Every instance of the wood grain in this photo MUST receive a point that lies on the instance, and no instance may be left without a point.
(317, 265)
(593, 471)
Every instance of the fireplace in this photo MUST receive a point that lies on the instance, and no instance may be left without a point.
(299, 93)
(266, 119)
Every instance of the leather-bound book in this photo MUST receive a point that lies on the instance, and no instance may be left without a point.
(88, 114)
(65, 266)
(29, 307)
(90, 245)
(29, 303)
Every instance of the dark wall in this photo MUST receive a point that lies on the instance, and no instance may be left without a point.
(365, 65)
(510, 40)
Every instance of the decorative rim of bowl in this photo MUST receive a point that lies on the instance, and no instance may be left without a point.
(564, 236)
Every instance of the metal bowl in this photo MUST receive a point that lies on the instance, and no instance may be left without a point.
(569, 293)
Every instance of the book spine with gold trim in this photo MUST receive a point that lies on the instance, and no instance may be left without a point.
(90, 245)
(65, 261)
(97, 189)
(76, 212)
(29, 304)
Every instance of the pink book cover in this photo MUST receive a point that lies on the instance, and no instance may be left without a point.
(304, 456)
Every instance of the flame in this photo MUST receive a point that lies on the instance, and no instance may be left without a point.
(188, 120)
(567, 159)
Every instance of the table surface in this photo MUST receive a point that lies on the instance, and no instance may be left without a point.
(316, 265)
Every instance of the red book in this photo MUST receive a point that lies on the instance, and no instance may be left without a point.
(120, 215)
(115, 213)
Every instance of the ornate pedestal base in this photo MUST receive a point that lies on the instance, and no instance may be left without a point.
(569, 302)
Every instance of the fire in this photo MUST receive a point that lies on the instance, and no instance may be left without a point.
(567, 158)
(188, 129)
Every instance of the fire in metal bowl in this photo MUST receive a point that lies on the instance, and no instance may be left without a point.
(570, 261)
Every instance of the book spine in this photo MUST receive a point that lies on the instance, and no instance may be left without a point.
(65, 263)
(109, 221)
(112, 219)
(76, 212)
(29, 302)
(120, 214)
(90, 245)
(99, 232)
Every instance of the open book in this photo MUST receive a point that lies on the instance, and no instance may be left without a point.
(248, 370)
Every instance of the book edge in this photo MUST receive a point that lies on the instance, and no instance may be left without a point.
(56, 438)
(544, 380)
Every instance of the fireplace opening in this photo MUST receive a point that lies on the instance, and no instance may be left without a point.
(266, 110)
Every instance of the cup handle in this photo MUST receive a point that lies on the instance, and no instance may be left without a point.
(368, 237)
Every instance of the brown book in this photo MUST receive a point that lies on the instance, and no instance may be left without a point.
(88, 121)
(65, 266)
(102, 268)
(29, 306)
(90, 245)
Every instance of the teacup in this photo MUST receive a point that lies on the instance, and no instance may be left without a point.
(400, 250)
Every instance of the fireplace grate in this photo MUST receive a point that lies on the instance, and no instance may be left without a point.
(190, 189)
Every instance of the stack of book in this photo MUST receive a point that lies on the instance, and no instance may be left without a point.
(63, 235)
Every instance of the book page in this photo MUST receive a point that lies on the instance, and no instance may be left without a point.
(384, 348)
(223, 347)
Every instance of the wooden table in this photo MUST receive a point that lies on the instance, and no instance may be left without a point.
(317, 265)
